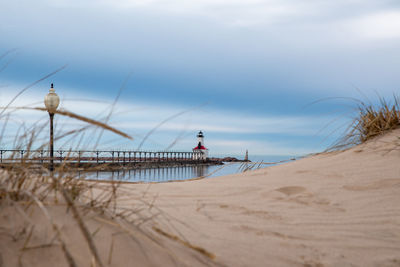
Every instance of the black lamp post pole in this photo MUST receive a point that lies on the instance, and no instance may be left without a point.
(51, 143)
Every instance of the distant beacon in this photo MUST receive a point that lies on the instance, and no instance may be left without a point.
(200, 151)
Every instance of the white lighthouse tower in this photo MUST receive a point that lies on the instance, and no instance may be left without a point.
(200, 152)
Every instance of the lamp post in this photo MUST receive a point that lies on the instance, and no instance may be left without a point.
(51, 101)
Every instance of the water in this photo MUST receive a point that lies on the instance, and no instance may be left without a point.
(165, 174)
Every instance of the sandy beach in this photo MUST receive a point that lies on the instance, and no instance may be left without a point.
(332, 209)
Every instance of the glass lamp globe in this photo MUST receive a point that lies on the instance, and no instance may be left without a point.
(51, 100)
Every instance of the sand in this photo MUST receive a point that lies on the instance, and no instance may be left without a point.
(332, 209)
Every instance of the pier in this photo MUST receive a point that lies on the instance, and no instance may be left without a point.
(108, 159)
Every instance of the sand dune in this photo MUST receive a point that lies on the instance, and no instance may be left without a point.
(331, 209)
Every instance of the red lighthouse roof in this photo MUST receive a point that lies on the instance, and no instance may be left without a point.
(200, 147)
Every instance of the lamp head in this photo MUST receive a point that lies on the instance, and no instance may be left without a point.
(51, 100)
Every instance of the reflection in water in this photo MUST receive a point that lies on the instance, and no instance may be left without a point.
(162, 174)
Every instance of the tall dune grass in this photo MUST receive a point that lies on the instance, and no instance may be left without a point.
(374, 121)
(27, 190)
(371, 121)
(19, 183)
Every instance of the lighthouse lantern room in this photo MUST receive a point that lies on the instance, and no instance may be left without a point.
(200, 152)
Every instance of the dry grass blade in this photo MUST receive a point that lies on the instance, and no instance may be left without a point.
(82, 226)
(64, 247)
(111, 250)
(28, 238)
(29, 86)
(7, 53)
(5, 65)
(82, 118)
(94, 122)
(185, 243)
(165, 121)
(113, 106)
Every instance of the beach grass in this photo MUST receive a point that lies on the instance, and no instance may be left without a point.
(29, 190)
(370, 121)
(25, 189)
(374, 121)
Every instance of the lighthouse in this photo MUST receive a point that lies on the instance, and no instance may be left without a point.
(200, 152)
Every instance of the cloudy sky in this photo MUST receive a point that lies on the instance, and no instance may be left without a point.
(244, 72)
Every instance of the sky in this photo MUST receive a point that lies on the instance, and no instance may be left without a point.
(271, 76)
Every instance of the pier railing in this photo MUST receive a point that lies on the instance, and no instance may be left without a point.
(94, 156)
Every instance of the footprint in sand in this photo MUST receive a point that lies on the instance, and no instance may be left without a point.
(250, 212)
(301, 195)
(376, 185)
(291, 190)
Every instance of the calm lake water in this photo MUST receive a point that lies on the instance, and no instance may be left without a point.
(165, 174)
